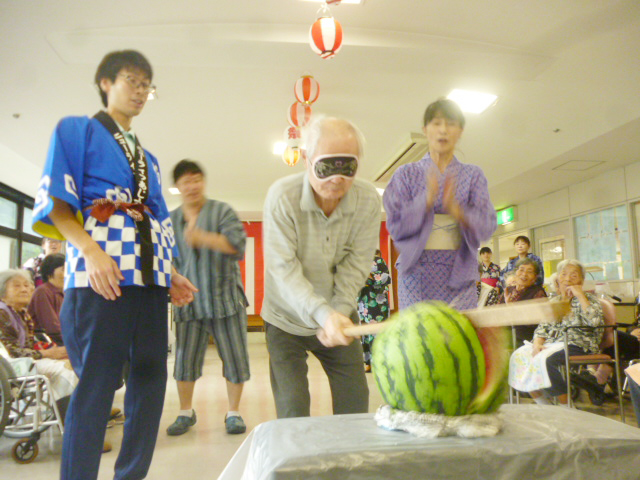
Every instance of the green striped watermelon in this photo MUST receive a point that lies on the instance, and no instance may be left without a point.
(431, 359)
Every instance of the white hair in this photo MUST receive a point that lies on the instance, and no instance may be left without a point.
(7, 275)
(313, 132)
(573, 263)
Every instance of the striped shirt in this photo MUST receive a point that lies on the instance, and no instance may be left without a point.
(215, 274)
(315, 264)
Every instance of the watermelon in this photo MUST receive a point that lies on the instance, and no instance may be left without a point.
(431, 359)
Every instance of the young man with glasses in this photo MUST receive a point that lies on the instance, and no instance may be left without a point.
(101, 192)
(321, 229)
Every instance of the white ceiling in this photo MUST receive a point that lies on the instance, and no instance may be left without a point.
(225, 71)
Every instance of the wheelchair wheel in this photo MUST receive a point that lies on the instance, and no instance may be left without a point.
(25, 450)
(5, 397)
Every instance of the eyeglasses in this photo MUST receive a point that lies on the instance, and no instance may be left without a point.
(135, 84)
(341, 165)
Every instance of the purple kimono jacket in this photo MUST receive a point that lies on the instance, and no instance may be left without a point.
(446, 275)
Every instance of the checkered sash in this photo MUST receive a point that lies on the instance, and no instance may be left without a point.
(138, 166)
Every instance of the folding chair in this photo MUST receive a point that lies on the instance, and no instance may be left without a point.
(609, 338)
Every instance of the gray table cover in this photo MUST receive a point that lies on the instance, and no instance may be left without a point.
(538, 442)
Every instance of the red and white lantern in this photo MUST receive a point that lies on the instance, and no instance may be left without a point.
(306, 89)
(299, 114)
(325, 37)
(290, 156)
(292, 137)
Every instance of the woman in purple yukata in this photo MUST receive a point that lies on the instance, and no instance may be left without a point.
(438, 213)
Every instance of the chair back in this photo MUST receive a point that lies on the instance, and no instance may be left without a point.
(609, 313)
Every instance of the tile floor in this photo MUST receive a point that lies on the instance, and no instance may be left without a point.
(205, 450)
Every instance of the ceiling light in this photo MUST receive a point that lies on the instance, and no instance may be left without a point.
(343, 2)
(278, 148)
(472, 102)
(174, 191)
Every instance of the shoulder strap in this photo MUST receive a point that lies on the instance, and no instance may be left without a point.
(137, 161)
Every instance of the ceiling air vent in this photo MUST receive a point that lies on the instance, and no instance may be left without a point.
(578, 165)
(413, 149)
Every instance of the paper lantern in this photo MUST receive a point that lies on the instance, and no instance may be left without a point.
(292, 137)
(290, 156)
(306, 89)
(325, 37)
(299, 114)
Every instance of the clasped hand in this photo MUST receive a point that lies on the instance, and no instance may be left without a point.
(331, 335)
(449, 201)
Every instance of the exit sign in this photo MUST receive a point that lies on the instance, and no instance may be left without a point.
(506, 216)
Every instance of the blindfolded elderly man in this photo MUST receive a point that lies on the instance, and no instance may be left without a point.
(321, 229)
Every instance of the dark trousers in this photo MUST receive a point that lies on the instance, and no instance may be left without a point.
(288, 369)
(554, 363)
(628, 347)
(100, 335)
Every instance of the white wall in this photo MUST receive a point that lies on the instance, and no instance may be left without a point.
(632, 178)
(610, 188)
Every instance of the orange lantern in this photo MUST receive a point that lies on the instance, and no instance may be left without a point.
(306, 89)
(299, 114)
(325, 36)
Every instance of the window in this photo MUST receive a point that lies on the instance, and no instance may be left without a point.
(552, 245)
(18, 242)
(27, 216)
(8, 213)
(603, 243)
(636, 213)
(8, 248)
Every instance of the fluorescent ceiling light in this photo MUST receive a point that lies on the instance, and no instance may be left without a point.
(174, 191)
(472, 102)
(279, 148)
(355, 2)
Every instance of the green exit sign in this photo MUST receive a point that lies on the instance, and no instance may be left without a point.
(506, 216)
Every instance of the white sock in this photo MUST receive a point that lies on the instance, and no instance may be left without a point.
(232, 413)
(186, 413)
(542, 400)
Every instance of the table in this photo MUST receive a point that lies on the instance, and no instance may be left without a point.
(538, 442)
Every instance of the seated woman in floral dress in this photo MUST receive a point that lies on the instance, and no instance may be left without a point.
(585, 311)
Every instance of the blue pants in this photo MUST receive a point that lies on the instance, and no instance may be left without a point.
(100, 335)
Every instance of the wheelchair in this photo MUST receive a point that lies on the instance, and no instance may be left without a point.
(27, 406)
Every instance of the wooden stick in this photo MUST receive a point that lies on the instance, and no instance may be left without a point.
(526, 312)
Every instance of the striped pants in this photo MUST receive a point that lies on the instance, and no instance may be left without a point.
(230, 336)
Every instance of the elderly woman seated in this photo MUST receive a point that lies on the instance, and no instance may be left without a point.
(538, 365)
(16, 335)
(525, 288)
(46, 301)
